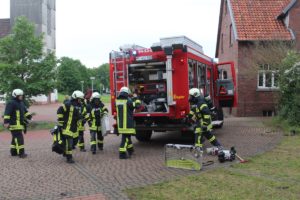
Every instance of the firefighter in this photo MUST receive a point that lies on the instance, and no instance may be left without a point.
(97, 111)
(80, 139)
(16, 118)
(201, 113)
(68, 116)
(125, 107)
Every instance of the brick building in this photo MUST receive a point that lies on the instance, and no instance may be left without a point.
(40, 12)
(241, 23)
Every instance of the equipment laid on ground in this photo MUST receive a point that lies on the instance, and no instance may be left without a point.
(183, 156)
(241, 159)
(227, 155)
(105, 126)
(212, 151)
(161, 77)
(58, 142)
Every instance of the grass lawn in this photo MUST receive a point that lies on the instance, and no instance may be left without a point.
(273, 175)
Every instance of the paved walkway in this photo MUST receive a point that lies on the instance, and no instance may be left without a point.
(46, 175)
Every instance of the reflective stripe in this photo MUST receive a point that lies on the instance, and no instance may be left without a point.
(76, 135)
(126, 131)
(130, 146)
(122, 150)
(17, 146)
(206, 116)
(60, 115)
(12, 146)
(212, 139)
(27, 114)
(202, 106)
(80, 144)
(67, 147)
(6, 117)
(100, 141)
(67, 131)
(198, 130)
(93, 142)
(16, 127)
(125, 116)
(64, 107)
(192, 112)
(126, 143)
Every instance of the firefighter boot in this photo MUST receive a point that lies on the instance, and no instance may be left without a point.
(130, 151)
(70, 159)
(123, 155)
(100, 147)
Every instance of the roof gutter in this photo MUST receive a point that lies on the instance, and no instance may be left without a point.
(232, 19)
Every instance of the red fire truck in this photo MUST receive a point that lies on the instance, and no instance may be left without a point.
(161, 77)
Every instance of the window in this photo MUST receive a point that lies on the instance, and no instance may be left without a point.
(230, 36)
(267, 78)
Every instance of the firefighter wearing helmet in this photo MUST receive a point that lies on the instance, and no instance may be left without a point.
(68, 116)
(125, 107)
(78, 138)
(202, 119)
(97, 111)
(16, 118)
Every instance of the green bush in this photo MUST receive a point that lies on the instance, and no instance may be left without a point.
(289, 104)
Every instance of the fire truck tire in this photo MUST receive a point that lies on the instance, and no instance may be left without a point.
(143, 136)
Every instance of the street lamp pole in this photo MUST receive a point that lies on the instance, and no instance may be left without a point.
(81, 85)
(92, 79)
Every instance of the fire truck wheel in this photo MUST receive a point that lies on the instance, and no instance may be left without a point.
(143, 136)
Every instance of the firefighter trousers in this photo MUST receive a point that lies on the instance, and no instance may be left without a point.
(17, 143)
(199, 138)
(126, 144)
(96, 140)
(75, 139)
(68, 146)
(81, 140)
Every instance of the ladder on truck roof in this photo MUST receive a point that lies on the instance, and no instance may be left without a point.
(118, 60)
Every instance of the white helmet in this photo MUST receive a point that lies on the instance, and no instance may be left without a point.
(96, 95)
(17, 92)
(77, 95)
(195, 92)
(125, 90)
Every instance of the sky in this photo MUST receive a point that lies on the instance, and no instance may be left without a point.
(89, 29)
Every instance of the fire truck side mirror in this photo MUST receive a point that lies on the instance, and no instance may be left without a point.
(168, 51)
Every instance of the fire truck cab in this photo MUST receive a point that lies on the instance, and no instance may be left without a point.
(161, 77)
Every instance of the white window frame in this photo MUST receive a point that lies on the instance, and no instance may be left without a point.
(264, 79)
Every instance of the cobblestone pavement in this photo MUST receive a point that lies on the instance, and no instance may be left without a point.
(46, 175)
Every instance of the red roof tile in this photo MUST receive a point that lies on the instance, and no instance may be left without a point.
(257, 19)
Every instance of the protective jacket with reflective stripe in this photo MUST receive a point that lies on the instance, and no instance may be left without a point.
(16, 114)
(85, 116)
(202, 113)
(97, 112)
(125, 110)
(68, 116)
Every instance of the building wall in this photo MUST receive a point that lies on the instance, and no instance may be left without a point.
(42, 14)
(230, 52)
(252, 101)
(294, 22)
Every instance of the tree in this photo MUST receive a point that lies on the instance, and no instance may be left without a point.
(101, 74)
(22, 61)
(289, 83)
(70, 73)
